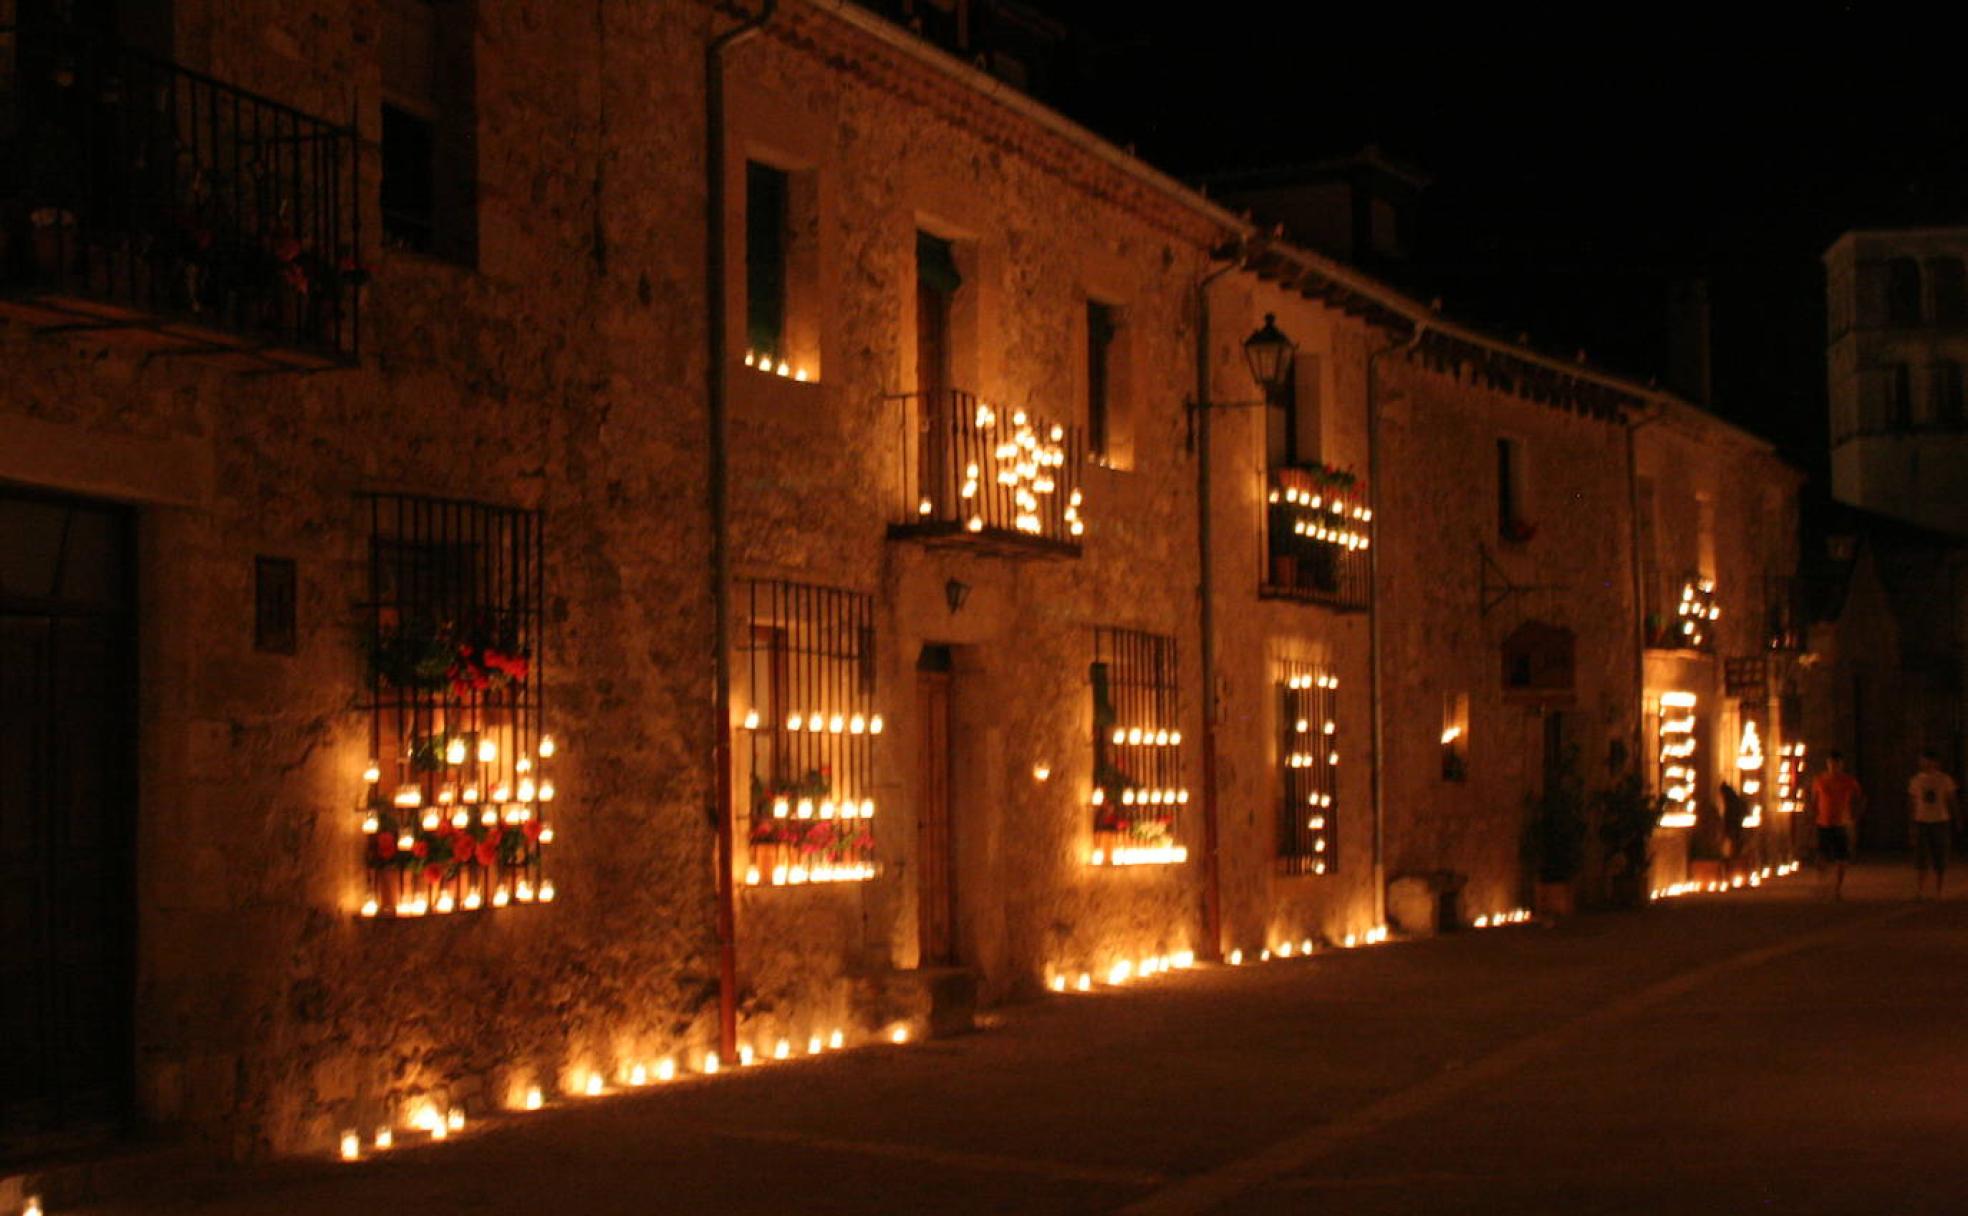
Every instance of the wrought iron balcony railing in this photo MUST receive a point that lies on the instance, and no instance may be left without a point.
(144, 198)
(992, 476)
(1318, 529)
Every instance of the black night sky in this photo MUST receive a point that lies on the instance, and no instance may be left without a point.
(1571, 186)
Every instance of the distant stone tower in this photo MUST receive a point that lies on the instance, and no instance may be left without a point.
(1897, 341)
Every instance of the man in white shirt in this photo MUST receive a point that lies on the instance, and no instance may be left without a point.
(1931, 795)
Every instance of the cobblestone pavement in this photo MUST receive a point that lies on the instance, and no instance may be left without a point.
(1767, 1050)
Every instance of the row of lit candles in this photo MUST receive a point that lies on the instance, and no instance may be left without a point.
(522, 891)
(1148, 797)
(826, 808)
(440, 1125)
(1307, 759)
(1139, 855)
(1496, 920)
(1301, 683)
(1736, 882)
(1136, 736)
(818, 723)
(794, 876)
(765, 363)
(1332, 504)
(1343, 537)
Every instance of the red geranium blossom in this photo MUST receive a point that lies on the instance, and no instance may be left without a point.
(421, 848)
(433, 874)
(461, 847)
(487, 853)
(385, 845)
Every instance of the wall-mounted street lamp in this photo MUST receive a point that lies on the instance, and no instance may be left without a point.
(955, 593)
(1269, 353)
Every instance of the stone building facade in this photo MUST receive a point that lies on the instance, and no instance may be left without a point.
(1051, 639)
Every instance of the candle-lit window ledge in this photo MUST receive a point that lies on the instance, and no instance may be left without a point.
(809, 876)
(524, 895)
(779, 369)
(1130, 855)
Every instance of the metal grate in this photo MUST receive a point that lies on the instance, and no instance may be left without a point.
(1137, 749)
(1308, 759)
(461, 784)
(809, 730)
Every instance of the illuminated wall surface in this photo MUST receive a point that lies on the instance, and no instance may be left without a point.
(451, 792)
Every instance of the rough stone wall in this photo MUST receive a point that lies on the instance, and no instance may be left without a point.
(1441, 563)
(884, 150)
(549, 376)
(1262, 906)
(1690, 458)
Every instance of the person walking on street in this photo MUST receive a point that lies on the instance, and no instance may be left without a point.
(1931, 795)
(1839, 802)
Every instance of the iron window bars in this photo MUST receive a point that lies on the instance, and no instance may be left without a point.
(991, 475)
(143, 196)
(1137, 749)
(460, 783)
(1308, 759)
(809, 730)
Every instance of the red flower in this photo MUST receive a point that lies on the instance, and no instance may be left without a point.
(433, 874)
(461, 847)
(385, 845)
(487, 853)
(421, 848)
(533, 827)
(494, 834)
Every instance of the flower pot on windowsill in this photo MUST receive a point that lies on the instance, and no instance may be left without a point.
(1553, 899)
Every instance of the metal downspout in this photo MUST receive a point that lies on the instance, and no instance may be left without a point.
(727, 896)
(1374, 636)
(1212, 866)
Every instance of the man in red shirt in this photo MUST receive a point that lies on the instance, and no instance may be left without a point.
(1839, 801)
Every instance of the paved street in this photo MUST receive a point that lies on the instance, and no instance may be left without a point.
(1766, 1050)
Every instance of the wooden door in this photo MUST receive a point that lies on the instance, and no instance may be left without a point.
(935, 862)
(67, 822)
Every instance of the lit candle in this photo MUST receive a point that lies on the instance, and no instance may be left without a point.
(534, 1099)
(454, 751)
(638, 1075)
(351, 1145)
(546, 745)
(665, 1069)
(837, 1040)
(710, 1063)
(594, 1085)
(781, 1050)
(385, 1138)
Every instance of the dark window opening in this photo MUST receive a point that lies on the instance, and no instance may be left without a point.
(409, 197)
(1903, 292)
(1101, 327)
(1899, 398)
(1950, 291)
(766, 193)
(1948, 403)
(429, 191)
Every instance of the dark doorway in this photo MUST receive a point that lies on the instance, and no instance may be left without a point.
(936, 918)
(67, 821)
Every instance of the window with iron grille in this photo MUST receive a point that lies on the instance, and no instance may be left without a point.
(1308, 759)
(460, 778)
(805, 698)
(1137, 749)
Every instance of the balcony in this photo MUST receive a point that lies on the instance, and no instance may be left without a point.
(1689, 623)
(174, 211)
(987, 477)
(1317, 532)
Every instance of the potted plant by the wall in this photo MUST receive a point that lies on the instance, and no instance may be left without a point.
(1626, 813)
(1554, 837)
